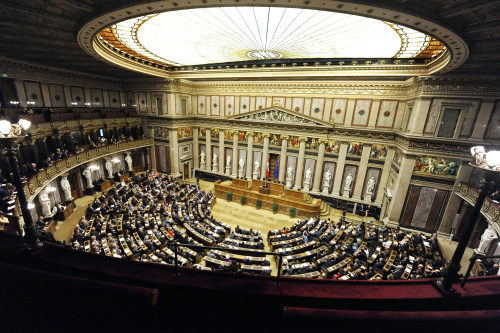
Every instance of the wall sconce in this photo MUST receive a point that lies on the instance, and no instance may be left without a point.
(31, 205)
(30, 103)
(14, 103)
(115, 160)
(50, 189)
(8, 130)
(486, 160)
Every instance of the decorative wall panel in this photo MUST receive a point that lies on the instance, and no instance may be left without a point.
(202, 105)
(56, 92)
(361, 112)
(34, 93)
(387, 113)
(230, 107)
(338, 111)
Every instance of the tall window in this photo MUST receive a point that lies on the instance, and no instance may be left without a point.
(448, 123)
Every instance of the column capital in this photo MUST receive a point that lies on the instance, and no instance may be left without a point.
(302, 139)
(410, 156)
(249, 134)
(285, 137)
(325, 141)
(266, 135)
(345, 142)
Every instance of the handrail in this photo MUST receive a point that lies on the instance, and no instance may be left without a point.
(42, 178)
(473, 259)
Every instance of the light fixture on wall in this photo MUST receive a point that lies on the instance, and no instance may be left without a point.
(490, 162)
(74, 103)
(30, 103)
(115, 160)
(15, 103)
(12, 130)
(10, 136)
(31, 205)
(94, 168)
(486, 160)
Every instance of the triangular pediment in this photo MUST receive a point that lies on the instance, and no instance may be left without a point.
(279, 115)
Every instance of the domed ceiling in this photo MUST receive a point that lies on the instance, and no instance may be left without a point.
(222, 35)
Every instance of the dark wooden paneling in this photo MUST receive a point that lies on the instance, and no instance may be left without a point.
(167, 158)
(437, 206)
(410, 205)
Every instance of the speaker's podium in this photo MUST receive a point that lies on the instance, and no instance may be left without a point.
(264, 189)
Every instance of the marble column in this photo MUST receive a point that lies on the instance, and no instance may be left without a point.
(265, 154)
(454, 201)
(318, 172)
(249, 155)
(208, 149)
(196, 148)
(300, 163)
(400, 189)
(339, 169)
(282, 166)
(385, 174)
(152, 163)
(222, 157)
(174, 152)
(235, 154)
(363, 166)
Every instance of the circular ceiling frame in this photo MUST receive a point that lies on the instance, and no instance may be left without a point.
(455, 54)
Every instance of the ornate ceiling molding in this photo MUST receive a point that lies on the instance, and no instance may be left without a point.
(456, 53)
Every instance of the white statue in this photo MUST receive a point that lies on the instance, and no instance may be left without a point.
(488, 236)
(214, 160)
(308, 176)
(228, 161)
(202, 157)
(242, 164)
(327, 177)
(370, 186)
(289, 173)
(66, 188)
(45, 202)
(128, 159)
(256, 169)
(88, 175)
(348, 182)
(109, 167)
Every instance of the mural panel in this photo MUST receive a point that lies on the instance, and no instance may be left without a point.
(160, 132)
(202, 132)
(312, 144)
(215, 133)
(228, 135)
(258, 139)
(275, 140)
(333, 146)
(355, 148)
(293, 142)
(184, 132)
(432, 165)
(379, 151)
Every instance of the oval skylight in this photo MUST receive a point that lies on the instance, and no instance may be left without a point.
(234, 34)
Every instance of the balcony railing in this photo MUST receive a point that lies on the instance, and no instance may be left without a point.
(490, 209)
(42, 178)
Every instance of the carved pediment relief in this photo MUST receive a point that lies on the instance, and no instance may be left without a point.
(278, 115)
